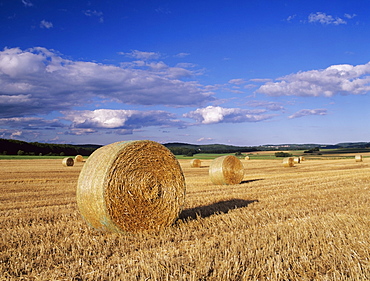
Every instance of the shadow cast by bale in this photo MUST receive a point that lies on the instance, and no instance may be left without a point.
(248, 181)
(215, 208)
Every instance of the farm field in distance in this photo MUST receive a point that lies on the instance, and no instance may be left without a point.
(307, 222)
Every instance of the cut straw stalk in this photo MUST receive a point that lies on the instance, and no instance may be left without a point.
(67, 162)
(288, 162)
(226, 170)
(130, 187)
(195, 163)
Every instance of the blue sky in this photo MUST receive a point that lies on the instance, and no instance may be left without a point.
(233, 72)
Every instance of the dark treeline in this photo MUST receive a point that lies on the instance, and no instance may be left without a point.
(14, 147)
(191, 149)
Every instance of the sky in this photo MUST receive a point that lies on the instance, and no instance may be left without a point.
(243, 73)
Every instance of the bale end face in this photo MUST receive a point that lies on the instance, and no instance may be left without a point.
(68, 162)
(226, 170)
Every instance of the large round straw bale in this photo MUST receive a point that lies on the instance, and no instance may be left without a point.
(79, 158)
(195, 163)
(297, 160)
(68, 161)
(358, 158)
(288, 162)
(226, 170)
(246, 158)
(130, 187)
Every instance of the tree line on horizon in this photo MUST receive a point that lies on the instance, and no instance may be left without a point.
(17, 147)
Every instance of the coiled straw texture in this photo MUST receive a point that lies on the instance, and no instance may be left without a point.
(226, 170)
(130, 187)
(68, 162)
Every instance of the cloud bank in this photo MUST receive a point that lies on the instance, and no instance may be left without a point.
(39, 81)
(120, 119)
(341, 79)
(307, 112)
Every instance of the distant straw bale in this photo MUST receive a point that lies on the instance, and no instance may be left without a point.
(130, 187)
(195, 163)
(358, 158)
(288, 162)
(297, 160)
(79, 158)
(301, 158)
(67, 162)
(226, 170)
(246, 158)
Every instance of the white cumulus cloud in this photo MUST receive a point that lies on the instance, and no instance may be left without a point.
(120, 119)
(141, 55)
(337, 79)
(325, 19)
(46, 24)
(217, 114)
(94, 13)
(27, 3)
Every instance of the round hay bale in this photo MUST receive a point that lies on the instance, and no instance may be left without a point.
(79, 158)
(297, 160)
(131, 186)
(68, 162)
(358, 158)
(226, 170)
(301, 158)
(288, 162)
(246, 158)
(195, 163)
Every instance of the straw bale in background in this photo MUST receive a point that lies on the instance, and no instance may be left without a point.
(246, 158)
(226, 170)
(358, 158)
(195, 163)
(297, 160)
(79, 158)
(288, 162)
(67, 162)
(130, 187)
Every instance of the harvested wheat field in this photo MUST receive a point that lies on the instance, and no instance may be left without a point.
(307, 222)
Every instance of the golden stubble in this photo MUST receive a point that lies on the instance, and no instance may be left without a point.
(308, 222)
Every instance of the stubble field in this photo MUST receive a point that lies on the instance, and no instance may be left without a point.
(308, 222)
